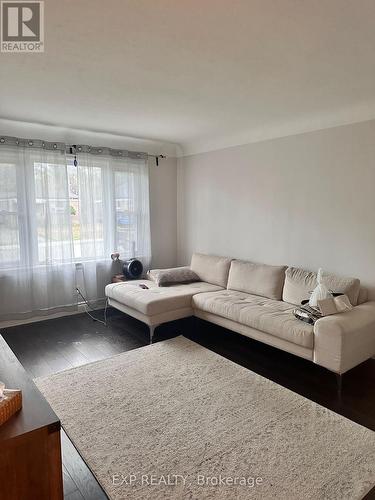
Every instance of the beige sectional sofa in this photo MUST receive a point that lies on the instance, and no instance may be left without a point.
(257, 300)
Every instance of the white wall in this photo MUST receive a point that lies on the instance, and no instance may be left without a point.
(163, 207)
(306, 200)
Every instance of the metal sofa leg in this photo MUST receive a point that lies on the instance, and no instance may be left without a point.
(152, 331)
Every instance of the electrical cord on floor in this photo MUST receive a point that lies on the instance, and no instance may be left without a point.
(86, 304)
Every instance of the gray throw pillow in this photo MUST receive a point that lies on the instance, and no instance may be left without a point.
(172, 276)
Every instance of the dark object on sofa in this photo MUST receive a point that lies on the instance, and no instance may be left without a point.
(132, 269)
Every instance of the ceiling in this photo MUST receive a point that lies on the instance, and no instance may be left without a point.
(202, 74)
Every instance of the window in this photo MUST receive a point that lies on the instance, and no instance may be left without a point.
(53, 211)
(54, 214)
(126, 214)
(9, 227)
(48, 220)
(86, 201)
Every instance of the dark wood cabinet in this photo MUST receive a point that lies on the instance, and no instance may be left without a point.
(30, 449)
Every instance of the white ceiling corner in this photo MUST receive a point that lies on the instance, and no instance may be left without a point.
(194, 76)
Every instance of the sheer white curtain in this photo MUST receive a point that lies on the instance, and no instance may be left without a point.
(59, 223)
(113, 205)
(37, 272)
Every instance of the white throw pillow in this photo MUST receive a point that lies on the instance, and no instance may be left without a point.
(299, 283)
(320, 292)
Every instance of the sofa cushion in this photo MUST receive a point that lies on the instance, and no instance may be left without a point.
(267, 315)
(211, 268)
(173, 275)
(156, 299)
(299, 283)
(257, 279)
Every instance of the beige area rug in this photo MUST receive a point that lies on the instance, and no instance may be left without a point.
(175, 420)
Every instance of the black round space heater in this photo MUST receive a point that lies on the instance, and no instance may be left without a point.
(132, 269)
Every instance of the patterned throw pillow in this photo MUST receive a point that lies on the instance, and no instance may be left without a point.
(172, 276)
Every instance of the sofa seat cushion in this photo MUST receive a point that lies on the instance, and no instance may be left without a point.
(155, 300)
(270, 316)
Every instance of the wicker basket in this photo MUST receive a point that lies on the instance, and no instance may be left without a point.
(10, 404)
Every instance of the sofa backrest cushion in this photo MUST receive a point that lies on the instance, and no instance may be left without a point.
(257, 279)
(299, 283)
(362, 296)
(211, 268)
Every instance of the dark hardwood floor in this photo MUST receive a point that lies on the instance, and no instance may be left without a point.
(50, 346)
(54, 345)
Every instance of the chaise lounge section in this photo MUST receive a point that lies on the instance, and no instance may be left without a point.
(155, 305)
(257, 300)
